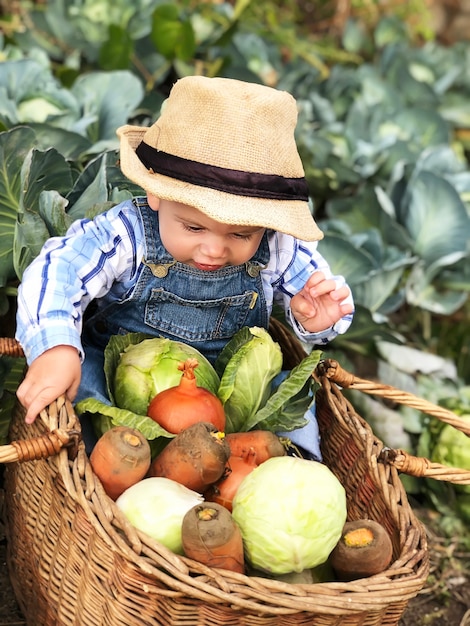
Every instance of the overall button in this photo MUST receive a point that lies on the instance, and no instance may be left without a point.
(253, 270)
(159, 270)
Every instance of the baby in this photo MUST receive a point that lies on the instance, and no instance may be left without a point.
(223, 232)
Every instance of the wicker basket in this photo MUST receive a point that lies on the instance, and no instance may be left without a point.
(74, 560)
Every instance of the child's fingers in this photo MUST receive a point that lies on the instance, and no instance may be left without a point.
(36, 405)
(315, 279)
(321, 288)
(346, 309)
(341, 293)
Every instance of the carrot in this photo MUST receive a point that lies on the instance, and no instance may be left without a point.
(211, 536)
(223, 491)
(180, 406)
(121, 457)
(364, 549)
(264, 442)
(196, 457)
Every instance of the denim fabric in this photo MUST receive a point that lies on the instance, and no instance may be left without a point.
(173, 300)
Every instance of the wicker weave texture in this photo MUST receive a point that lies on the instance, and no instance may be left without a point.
(74, 560)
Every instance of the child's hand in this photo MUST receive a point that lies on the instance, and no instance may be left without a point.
(57, 371)
(320, 304)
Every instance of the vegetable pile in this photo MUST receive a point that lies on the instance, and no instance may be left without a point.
(194, 461)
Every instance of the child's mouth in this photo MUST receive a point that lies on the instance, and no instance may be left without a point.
(207, 268)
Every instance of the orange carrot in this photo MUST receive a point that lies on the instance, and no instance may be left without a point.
(196, 457)
(120, 458)
(264, 442)
(211, 536)
(223, 491)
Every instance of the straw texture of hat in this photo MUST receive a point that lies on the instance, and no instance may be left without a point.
(226, 147)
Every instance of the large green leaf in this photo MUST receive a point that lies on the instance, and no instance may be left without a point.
(368, 209)
(71, 144)
(424, 289)
(40, 171)
(285, 409)
(20, 186)
(96, 192)
(115, 53)
(53, 211)
(172, 34)
(14, 148)
(435, 217)
(346, 259)
(121, 417)
(107, 100)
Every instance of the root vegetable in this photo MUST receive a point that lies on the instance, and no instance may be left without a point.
(185, 404)
(121, 457)
(265, 444)
(363, 550)
(195, 458)
(224, 490)
(211, 536)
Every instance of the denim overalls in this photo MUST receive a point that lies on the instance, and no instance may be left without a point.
(174, 300)
(170, 299)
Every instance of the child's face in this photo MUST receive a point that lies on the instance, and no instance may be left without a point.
(193, 238)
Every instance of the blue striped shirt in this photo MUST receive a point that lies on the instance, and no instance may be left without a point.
(100, 259)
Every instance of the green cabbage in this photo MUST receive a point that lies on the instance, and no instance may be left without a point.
(453, 449)
(157, 506)
(291, 513)
(249, 363)
(137, 367)
(148, 367)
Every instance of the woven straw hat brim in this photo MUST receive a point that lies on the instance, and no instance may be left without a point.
(292, 217)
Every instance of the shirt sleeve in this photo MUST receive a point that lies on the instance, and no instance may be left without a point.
(292, 262)
(71, 271)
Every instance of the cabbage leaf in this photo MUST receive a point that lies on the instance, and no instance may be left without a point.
(285, 408)
(245, 384)
(248, 367)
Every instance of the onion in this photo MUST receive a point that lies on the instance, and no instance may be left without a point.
(178, 407)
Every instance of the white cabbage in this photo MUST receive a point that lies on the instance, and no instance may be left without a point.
(291, 513)
(157, 506)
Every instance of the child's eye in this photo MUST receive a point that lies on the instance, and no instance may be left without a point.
(243, 236)
(193, 229)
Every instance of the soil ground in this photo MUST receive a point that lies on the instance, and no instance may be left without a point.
(444, 601)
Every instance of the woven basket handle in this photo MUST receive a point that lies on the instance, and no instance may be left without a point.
(400, 459)
(10, 347)
(40, 447)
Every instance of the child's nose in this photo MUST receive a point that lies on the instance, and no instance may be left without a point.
(213, 247)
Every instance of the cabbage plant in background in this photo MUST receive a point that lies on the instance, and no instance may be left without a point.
(444, 444)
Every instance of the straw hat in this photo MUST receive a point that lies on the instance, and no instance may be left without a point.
(227, 148)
